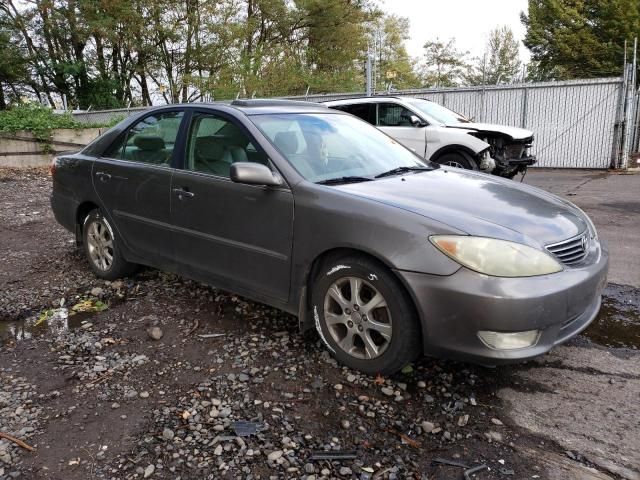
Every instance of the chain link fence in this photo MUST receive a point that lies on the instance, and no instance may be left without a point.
(577, 124)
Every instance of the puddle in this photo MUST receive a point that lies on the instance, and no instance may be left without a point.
(50, 322)
(618, 324)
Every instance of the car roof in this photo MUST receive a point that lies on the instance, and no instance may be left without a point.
(270, 106)
(256, 106)
(374, 99)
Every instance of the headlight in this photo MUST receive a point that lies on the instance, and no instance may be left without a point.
(498, 258)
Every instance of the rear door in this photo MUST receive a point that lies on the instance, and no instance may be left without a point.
(238, 236)
(133, 182)
(395, 120)
(365, 111)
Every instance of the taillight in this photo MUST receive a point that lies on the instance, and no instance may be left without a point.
(52, 166)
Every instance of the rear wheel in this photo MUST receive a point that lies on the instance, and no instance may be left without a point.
(458, 160)
(102, 248)
(364, 316)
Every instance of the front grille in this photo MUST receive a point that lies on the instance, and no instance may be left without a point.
(572, 251)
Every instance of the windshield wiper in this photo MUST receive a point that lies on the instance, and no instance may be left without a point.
(398, 170)
(347, 179)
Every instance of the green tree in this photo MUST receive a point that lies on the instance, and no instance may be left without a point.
(579, 38)
(109, 53)
(13, 67)
(444, 65)
(501, 61)
(394, 65)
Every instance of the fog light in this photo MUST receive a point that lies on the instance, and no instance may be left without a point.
(509, 341)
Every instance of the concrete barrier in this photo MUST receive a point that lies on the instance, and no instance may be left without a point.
(23, 149)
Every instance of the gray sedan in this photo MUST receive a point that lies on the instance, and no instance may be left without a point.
(387, 256)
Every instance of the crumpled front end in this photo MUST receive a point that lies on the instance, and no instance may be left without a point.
(511, 156)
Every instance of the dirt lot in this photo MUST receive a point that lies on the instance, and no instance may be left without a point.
(85, 385)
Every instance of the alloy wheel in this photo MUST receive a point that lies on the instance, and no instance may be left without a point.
(358, 318)
(453, 163)
(100, 243)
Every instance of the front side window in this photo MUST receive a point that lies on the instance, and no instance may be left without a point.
(326, 146)
(151, 140)
(215, 143)
(393, 115)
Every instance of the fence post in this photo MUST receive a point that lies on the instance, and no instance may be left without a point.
(525, 105)
(628, 118)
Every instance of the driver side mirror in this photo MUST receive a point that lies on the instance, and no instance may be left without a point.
(416, 122)
(251, 173)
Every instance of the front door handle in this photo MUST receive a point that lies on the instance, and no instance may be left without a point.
(103, 176)
(183, 193)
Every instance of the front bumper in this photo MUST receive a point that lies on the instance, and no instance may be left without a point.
(453, 309)
(526, 161)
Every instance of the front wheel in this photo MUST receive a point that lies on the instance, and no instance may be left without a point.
(102, 248)
(458, 160)
(364, 316)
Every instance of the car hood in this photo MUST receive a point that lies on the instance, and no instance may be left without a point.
(478, 204)
(513, 133)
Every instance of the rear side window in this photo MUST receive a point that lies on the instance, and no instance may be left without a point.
(151, 140)
(215, 143)
(393, 115)
(365, 111)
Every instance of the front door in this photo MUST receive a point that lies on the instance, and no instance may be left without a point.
(395, 121)
(239, 236)
(133, 182)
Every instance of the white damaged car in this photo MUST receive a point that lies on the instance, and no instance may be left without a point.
(444, 136)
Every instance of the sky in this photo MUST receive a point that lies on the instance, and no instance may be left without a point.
(468, 21)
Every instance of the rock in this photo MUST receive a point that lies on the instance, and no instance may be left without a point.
(344, 471)
(351, 378)
(495, 421)
(144, 394)
(427, 427)
(387, 391)
(422, 384)
(493, 436)
(243, 377)
(168, 434)
(463, 420)
(155, 333)
(345, 424)
(218, 450)
(309, 468)
(115, 405)
(149, 471)
(338, 386)
(97, 292)
(275, 455)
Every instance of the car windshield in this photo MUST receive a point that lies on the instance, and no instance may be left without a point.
(329, 146)
(437, 112)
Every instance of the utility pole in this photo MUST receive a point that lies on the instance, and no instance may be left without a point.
(369, 74)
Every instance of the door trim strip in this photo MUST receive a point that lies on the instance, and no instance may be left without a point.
(205, 236)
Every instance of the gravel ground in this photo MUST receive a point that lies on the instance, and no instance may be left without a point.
(154, 384)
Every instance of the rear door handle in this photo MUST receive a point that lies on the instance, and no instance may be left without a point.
(182, 193)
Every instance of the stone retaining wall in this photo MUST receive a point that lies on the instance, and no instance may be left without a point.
(23, 149)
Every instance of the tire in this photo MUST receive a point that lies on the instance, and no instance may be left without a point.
(102, 248)
(458, 159)
(373, 339)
